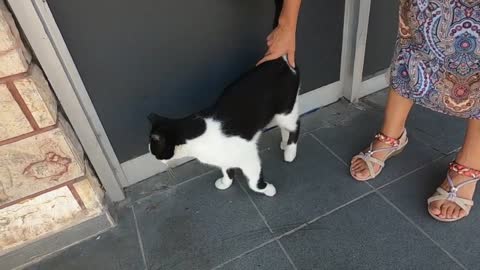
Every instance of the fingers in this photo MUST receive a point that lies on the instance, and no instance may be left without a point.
(270, 37)
(268, 57)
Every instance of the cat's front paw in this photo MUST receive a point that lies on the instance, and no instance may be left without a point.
(270, 190)
(283, 145)
(223, 183)
(290, 153)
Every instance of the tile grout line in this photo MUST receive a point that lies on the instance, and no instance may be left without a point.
(410, 173)
(268, 226)
(244, 253)
(256, 208)
(303, 225)
(328, 149)
(139, 237)
(336, 156)
(261, 245)
(287, 255)
(140, 200)
(340, 207)
(420, 229)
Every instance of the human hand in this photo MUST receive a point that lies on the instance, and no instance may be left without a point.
(280, 42)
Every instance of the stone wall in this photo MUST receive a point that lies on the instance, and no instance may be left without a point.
(46, 184)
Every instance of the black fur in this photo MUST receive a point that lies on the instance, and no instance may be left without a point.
(249, 104)
(261, 182)
(231, 173)
(245, 107)
(167, 133)
(293, 136)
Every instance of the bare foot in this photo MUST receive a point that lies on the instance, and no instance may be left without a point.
(448, 209)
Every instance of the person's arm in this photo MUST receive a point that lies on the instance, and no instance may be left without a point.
(282, 39)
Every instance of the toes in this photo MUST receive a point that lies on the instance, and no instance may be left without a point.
(443, 208)
(450, 209)
(456, 212)
(462, 213)
(435, 208)
(358, 166)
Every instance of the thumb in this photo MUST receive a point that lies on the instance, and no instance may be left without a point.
(267, 58)
(291, 58)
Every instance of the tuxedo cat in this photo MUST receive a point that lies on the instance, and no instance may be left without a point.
(226, 134)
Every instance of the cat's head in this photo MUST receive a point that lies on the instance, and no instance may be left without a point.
(163, 137)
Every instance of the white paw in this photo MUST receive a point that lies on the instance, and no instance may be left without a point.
(290, 153)
(283, 145)
(223, 183)
(270, 190)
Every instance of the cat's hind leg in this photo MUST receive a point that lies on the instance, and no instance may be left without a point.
(227, 179)
(252, 170)
(290, 128)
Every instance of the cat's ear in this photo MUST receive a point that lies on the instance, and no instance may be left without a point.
(156, 119)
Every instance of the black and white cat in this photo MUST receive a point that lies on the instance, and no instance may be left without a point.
(226, 134)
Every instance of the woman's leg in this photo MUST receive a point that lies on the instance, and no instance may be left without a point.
(396, 114)
(468, 156)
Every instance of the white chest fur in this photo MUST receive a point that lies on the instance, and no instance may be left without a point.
(214, 148)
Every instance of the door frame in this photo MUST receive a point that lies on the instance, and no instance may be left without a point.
(43, 34)
(356, 86)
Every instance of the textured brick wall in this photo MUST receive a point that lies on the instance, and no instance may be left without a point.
(45, 182)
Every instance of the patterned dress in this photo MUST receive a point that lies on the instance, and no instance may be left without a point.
(437, 56)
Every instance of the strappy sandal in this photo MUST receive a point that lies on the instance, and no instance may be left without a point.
(442, 194)
(395, 148)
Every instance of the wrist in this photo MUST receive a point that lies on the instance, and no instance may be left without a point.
(287, 23)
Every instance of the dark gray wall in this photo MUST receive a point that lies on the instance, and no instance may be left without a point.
(174, 57)
(382, 33)
(319, 42)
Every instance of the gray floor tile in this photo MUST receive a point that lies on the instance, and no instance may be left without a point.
(462, 238)
(154, 184)
(166, 180)
(195, 226)
(270, 256)
(190, 169)
(368, 234)
(313, 184)
(270, 139)
(347, 141)
(116, 249)
(376, 101)
(440, 131)
(341, 113)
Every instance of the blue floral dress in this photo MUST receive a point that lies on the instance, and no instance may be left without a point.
(437, 55)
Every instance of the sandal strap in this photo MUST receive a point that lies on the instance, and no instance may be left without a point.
(369, 160)
(451, 195)
(463, 170)
(387, 140)
(441, 195)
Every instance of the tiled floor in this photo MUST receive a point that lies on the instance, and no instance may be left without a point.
(319, 219)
